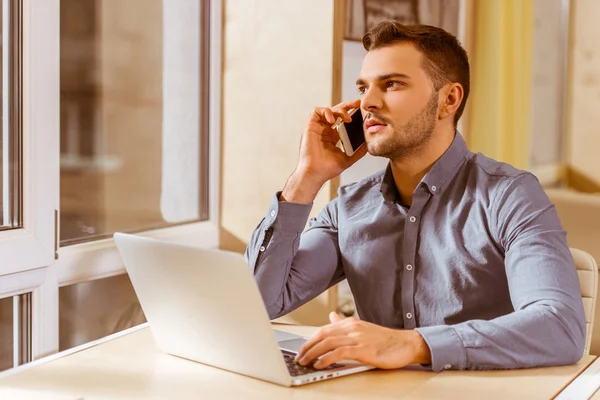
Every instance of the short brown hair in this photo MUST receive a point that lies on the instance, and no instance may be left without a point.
(445, 60)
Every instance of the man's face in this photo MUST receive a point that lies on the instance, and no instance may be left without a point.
(399, 104)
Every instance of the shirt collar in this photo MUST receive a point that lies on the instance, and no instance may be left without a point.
(440, 173)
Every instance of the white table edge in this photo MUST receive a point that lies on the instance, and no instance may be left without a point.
(73, 350)
(584, 386)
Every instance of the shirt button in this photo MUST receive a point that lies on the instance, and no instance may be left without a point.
(409, 267)
(412, 219)
(433, 188)
(447, 366)
(408, 315)
(262, 248)
(273, 213)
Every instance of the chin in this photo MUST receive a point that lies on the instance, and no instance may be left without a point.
(376, 147)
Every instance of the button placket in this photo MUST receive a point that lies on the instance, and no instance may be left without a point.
(411, 232)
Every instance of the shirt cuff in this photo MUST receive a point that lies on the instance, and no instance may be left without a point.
(447, 350)
(286, 216)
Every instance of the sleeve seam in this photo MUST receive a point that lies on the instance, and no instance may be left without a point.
(495, 210)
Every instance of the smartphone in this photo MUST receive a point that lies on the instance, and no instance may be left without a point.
(352, 134)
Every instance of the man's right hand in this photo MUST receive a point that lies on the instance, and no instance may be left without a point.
(320, 159)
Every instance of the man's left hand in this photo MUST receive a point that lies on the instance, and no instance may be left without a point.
(353, 339)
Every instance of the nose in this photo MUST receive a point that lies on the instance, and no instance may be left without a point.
(371, 100)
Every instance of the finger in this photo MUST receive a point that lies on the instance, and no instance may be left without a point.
(335, 317)
(342, 113)
(329, 116)
(343, 109)
(319, 114)
(337, 355)
(324, 347)
(325, 133)
(311, 341)
(323, 333)
(346, 105)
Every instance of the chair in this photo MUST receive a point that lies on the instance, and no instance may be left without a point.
(579, 215)
(587, 270)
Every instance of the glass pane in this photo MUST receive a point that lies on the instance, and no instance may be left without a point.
(10, 104)
(92, 310)
(6, 333)
(133, 116)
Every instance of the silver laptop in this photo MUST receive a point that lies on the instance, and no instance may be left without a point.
(203, 305)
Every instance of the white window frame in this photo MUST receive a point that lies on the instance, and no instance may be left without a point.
(28, 255)
(33, 246)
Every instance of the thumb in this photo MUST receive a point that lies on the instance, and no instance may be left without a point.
(334, 317)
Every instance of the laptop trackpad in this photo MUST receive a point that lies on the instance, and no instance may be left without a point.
(292, 345)
(281, 336)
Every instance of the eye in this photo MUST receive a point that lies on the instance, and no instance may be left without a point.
(394, 84)
(361, 90)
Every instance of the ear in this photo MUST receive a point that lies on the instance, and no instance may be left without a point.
(451, 99)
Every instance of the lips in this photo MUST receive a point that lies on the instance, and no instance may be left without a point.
(373, 125)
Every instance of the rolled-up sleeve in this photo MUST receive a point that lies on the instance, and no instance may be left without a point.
(291, 267)
(547, 326)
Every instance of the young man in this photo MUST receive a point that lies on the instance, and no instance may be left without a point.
(455, 260)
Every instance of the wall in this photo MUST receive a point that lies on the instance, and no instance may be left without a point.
(584, 84)
(280, 61)
(499, 117)
(548, 83)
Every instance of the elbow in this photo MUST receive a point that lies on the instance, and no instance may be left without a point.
(577, 350)
(274, 312)
(571, 353)
(572, 348)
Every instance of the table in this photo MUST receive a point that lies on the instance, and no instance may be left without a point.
(129, 366)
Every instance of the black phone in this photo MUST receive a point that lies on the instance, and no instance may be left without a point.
(352, 134)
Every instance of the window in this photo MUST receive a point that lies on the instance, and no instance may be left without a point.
(134, 153)
(122, 126)
(6, 333)
(92, 310)
(15, 331)
(134, 137)
(10, 104)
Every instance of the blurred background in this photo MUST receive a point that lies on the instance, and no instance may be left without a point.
(179, 119)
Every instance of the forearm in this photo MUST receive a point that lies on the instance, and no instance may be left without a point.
(290, 271)
(541, 335)
(301, 188)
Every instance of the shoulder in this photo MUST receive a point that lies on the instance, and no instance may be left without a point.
(497, 177)
(493, 169)
(365, 188)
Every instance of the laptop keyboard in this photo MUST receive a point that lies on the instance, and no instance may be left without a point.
(296, 369)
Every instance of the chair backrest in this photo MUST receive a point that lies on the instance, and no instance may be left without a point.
(579, 215)
(587, 270)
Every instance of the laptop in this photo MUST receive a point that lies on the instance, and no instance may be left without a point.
(204, 305)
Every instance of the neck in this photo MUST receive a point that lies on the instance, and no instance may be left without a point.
(409, 171)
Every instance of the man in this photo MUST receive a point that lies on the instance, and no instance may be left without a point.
(455, 260)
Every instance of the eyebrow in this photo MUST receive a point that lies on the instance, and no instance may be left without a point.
(384, 77)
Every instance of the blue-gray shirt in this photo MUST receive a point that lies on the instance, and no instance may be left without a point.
(479, 263)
